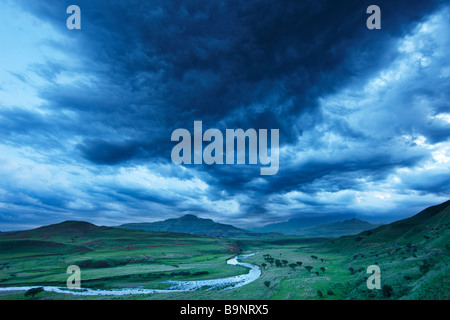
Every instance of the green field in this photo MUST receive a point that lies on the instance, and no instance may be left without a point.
(413, 256)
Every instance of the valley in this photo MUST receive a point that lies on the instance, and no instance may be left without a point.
(413, 255)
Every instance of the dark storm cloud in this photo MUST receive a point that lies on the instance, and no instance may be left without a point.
(140, 69)
(104, 152)
(203, 59)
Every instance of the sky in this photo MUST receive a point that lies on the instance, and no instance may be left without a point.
(86, 116)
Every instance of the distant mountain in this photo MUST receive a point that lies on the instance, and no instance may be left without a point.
(319, 226)
(338, 228)
(292, 226)
(429, 228)
(192, 224)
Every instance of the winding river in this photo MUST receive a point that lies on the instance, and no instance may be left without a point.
(175, 286)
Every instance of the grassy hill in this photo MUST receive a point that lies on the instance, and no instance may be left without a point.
(413, 255)
(194, 225)
(110, 257)
(429, 228)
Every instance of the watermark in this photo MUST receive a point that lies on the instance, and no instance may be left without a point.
(74, 20)
(374, 21)
(374, 281)
(74, 280)
(213, 153)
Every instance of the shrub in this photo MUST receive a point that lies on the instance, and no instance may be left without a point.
(33, 291)
(387, 290)
(267, 283)
(180, 273)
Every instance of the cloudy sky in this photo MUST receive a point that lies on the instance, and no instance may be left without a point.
(86, 116)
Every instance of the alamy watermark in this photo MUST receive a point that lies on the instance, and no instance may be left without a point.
(74, 280)
(374, 280)
(213, 153)
(74, 20)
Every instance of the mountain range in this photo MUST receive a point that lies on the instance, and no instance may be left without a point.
(318, 226)
(305, 227)
(421, 225)
(192, 224)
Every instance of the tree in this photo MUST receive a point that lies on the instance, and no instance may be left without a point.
(267, 283)
(322, 269)
(299, 263)
(352, 270)
(320, 293)
(270, 260)
(314, 257)
(309, 268)
(278, 263)
(263, 265)
(285, 262)
(292, 265)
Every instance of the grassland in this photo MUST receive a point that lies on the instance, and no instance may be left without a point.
(413, 256)
(110, 257)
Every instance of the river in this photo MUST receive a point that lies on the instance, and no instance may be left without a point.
(175, 286)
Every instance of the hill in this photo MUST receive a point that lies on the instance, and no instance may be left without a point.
(194, 225)
(80, 237)
(110, 257)
(412, 254)
(428, 228)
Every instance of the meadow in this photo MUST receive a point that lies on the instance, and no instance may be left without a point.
(414, 265)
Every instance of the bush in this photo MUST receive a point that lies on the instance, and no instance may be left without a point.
(33, 291)
(267, 283)
(95, 264)
(319, 293)
(425, 267)
(180, 273)
(387, 290)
